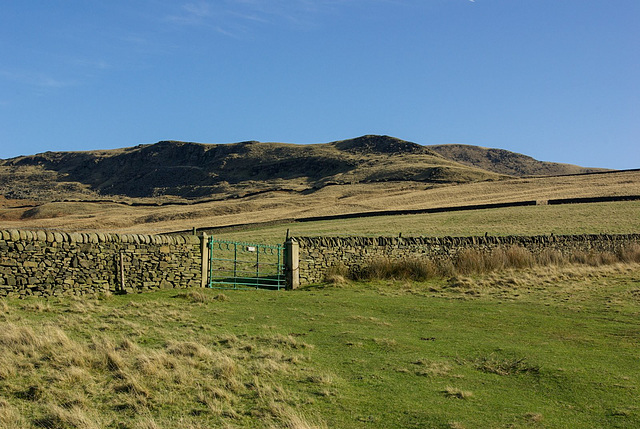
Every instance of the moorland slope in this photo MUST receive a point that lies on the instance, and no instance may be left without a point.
(171, 186)
(505, 162)
(188, 171)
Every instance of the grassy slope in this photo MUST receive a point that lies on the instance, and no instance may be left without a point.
(546, 348)
(182, 171)
(327, 201)
(595, 218)
(505, 162)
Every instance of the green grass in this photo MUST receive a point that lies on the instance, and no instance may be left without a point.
(594, 218)
(543, 347)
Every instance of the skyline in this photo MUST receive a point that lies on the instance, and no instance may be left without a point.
(557, 81)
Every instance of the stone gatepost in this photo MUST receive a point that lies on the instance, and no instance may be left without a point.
(292, 264)
(204, 264)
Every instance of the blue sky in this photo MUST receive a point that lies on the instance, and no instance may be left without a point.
(554, 79)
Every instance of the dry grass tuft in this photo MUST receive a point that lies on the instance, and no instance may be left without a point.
(226, 369)
(398, 269)
(386, 343)
(551, 257)
(221, 297)
(324, 379)
(131, 384)
(18, 338)
(630, 254)
(472, 262)
(101, 380)
(227, 340)
(37, 306)
(519, 257)
(57, 417)
(505, 365)
(188, 349)
(291, 419)
(201, 297)
(284, 341)
(106, 356)
(432, 369)
(452, 392)
(147, 423)
(10, 416)
(337, 274)
(534, 417)
(335, 279)
(460, 282)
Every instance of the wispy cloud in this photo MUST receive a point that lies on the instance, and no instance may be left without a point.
(201, 9)
(91, 63)
(193, 13)
(226, 15)
(37, 79)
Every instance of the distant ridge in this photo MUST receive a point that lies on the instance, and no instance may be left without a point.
(504, 162)
(186, 171)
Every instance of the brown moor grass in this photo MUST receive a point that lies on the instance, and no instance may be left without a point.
(473, 262)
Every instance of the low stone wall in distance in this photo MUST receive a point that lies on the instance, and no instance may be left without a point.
(318, 254)
(46, 263)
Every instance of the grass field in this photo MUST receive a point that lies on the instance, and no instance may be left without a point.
(594, 218)
(540, 348)
(543, 347)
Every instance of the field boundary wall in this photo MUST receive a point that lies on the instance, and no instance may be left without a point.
(46, 263)
(319, 255)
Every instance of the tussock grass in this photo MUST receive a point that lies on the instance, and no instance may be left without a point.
(401, 269)
(453, 392)
(386, 343)
(428, 368)
(53, 379)
(292, 419)
(630, 254)
(57, 417)
(202, 297)
(470, 262)
(502, 365)
(337, 274)
(10, 416)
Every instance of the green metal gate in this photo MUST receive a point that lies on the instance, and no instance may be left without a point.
(236, 265)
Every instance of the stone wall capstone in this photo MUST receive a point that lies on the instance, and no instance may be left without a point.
(48, 263)
(319, 254)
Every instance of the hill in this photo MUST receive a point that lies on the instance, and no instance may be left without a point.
(171, 185)
(504, 162)
(182, 170)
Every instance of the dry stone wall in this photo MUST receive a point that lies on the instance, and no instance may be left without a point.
(46, 263)
(319, 254)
